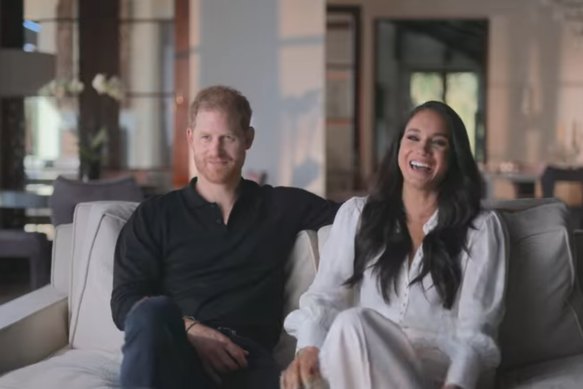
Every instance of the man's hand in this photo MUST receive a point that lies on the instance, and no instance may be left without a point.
(451, 386)
(217, 352)
(303, 370)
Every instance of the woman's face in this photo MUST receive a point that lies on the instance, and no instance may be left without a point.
(424, 151)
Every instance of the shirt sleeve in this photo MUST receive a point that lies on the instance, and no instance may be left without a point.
(136, 270)
(472, 344)
(313, 211)
(327, 296)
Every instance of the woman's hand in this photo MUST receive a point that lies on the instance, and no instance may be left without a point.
(303, 370)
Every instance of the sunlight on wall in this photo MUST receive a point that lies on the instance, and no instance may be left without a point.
(301, 84)
(302, 141)
(273, 53)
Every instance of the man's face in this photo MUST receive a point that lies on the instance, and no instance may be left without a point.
(219, 146)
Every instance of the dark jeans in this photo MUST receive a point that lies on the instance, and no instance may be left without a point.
(157, 354)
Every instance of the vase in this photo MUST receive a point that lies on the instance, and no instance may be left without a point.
(89, 170)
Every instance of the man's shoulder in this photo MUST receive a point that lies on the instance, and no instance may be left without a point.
(161, 202)
(353, 207)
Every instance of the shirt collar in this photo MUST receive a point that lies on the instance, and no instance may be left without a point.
(246, 187)
(431, 223)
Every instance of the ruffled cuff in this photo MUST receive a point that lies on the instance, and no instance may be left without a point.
(464, 369)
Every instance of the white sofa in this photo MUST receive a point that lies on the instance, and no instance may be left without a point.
(62, 335)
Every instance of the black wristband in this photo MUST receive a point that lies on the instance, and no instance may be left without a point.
(192, 324)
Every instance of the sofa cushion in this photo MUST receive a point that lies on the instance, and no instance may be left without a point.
(563, 373)
(542, 304)
(96, 228)
(71, 369)
(300, 271)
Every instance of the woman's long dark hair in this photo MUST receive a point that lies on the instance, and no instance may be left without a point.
(383, 223)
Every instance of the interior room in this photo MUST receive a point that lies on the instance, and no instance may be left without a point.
(95, 95)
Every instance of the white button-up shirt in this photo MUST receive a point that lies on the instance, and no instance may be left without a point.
(466, 332)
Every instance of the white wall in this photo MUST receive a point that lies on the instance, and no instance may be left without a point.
(273, 52)
(535, 82)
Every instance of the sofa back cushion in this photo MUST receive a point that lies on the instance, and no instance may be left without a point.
(95, 230)
(543, 305)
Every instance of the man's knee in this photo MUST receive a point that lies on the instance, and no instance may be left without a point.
(153, 313)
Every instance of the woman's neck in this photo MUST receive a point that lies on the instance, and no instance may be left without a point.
(419, 205)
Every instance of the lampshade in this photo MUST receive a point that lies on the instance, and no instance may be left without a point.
(23, 73)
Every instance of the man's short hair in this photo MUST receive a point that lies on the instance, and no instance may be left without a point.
(225, 99)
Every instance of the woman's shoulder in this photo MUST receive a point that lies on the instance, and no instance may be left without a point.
(485, 216)
(354, 205)
(486, 221)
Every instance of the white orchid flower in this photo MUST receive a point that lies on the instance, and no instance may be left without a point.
(99, 83)
(76, 87)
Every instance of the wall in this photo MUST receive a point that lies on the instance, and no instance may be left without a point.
(273, 51)
(535, 85)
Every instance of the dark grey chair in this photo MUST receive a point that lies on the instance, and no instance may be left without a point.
(17, 243)
(67, 193)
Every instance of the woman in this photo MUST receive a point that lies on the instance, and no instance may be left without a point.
(409, 292)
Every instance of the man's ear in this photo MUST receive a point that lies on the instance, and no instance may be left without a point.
(250, 135)
(189, 135)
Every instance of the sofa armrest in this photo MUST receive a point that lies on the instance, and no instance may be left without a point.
(32, 327)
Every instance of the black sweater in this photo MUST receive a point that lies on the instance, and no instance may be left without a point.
(224, 275)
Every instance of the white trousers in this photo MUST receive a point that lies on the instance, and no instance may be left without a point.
(365, 350)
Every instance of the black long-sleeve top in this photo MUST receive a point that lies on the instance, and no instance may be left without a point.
(224, 275)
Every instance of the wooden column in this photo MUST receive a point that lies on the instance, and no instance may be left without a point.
(99, 53)
(64, 65)
(180, 174)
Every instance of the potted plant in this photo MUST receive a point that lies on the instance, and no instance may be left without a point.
(91, 146)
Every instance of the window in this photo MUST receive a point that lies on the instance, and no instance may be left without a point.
(421, 60)
(457, 89)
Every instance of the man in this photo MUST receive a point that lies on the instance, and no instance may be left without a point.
(198, 274)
